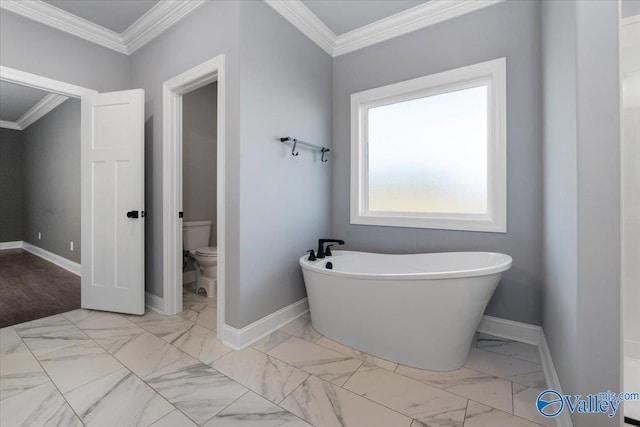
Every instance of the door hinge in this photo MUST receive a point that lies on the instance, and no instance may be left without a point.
(180, 214)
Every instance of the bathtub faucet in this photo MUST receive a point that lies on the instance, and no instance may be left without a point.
(321, 251)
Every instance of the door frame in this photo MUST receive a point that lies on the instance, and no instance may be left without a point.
(23, 78)
(172, 92)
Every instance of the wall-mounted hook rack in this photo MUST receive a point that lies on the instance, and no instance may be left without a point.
(296, 142)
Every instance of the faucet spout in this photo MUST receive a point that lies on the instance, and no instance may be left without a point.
(321, 251)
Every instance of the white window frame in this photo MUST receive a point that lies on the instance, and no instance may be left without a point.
(492, 73)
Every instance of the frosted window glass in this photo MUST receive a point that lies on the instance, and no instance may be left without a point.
(429, 154)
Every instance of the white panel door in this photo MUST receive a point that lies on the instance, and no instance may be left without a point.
(113, 201)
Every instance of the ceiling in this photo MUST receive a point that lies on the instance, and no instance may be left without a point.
(337, 26)
(21, 106)
(114, 15)
(347, 15)
(16, 100)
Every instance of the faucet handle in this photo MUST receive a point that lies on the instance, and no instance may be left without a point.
(312, 255)
(327, 251)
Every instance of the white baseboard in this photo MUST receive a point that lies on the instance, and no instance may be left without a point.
(69, 265)
(551, 376)
(632, 349)
(188, 277)
(11, 245)
(509, 329)
(241, 338)
(154, 302)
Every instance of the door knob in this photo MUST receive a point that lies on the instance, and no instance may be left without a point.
(132, 214)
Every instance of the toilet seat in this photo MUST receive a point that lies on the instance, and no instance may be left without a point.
(210, 251)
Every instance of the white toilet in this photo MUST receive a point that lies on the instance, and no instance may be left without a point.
(195, 239)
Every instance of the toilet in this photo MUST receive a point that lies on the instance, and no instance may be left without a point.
(195, 239)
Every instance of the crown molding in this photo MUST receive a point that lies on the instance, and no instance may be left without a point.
(59, 19)
(35, 113)
(396, 25)
(150, 25)
(307, 22)
(157, 20)
(405, 22)
(9, 125)
(41, 109)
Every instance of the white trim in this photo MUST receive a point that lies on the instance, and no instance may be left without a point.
(149, 26)
(11, 245)
(387, 28)
(631, 348)
(413, 19)
(491, 73)
(551, 377)
(11, 75)
(172, 92)
(9, 125)
(154, 302)
(238, 339)
(67, 264)
(155, 21)
(62, 20)
(307, 22)
(42, 108)
(511, 330)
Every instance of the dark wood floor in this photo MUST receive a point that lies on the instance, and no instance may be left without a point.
(31, 288)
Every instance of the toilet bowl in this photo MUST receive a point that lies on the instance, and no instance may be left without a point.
(206, 265)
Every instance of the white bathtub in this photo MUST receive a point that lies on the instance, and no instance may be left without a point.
(419, 310)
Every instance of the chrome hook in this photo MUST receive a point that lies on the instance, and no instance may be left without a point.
(324, 150)
(293, 149)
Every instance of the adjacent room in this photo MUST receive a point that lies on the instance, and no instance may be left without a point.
(359, 213)
(40, 205)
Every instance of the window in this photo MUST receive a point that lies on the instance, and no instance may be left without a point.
(431, 152)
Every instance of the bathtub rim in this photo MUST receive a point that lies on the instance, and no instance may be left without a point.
(319, 267)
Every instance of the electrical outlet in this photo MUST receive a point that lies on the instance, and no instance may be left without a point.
(71, 246)
(39, 235)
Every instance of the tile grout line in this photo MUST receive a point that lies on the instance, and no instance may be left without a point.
(466, 408)
(368, 399)
(129, 370)
(513, 415)
(221, 410)
(51, 379)
(353, 373)
(493, 377)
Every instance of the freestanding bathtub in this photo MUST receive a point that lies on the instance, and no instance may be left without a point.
(419, 310)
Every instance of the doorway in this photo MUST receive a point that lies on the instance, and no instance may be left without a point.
(39, 203)
(174, 91)
(112, 191)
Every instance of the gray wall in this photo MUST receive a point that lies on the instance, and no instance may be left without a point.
(29, 46)
(11, 212)
(582, 197)
(512, 30)
(199, 156)
(211, 31)
(629, 8)
(560, 188)
(52, 181)
(285, 86)
(286, 89)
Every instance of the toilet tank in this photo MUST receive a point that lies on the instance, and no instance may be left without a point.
(195, 234)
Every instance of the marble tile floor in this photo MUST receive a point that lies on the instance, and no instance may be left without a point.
(94, 368)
